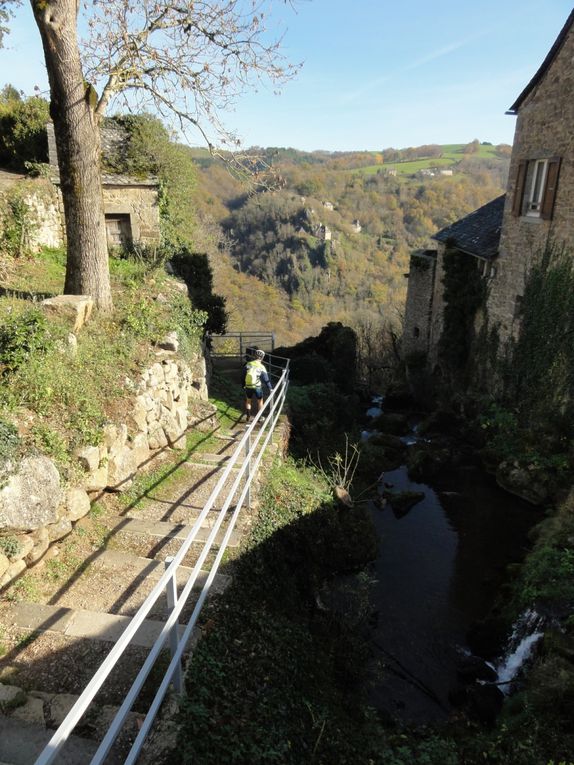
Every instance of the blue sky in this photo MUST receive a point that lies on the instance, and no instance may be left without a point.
(375, 74)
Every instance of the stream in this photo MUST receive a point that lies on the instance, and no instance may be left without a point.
(438, 569)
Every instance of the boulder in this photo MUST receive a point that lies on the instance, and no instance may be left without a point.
(31, 496)
(403, 501)
(156, 436)
(203, 416)
(140, 447)
(138, 414)
(41, 543)
(59, 530)
(25, 545)
(13, 570)
(396, 424)
(76, 504)
(10, 697)
(425, 461)
(170, 426)
(77, 308)
(88, 457)
(170, 342)
(31, 712)
(4, 564)
(97, 479)
(122, 465)
(527, 484)
(388, 441)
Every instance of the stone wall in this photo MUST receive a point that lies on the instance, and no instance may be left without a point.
(44, 226)
(437, 319)
(419, 304)
(543, 130)
(37, 510)
(140, 202)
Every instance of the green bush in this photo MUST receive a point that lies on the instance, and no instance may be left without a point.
(10, 546)
(195, 270)
(9, 441)
(22, 129)
(266, 683)
(23, 334)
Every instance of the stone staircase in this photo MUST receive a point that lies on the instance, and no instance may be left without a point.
(55, 645)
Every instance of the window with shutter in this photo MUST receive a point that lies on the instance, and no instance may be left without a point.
(519, 188)
(536, 185)
(547, 206)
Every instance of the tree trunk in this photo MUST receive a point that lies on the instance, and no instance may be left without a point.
(78, 145)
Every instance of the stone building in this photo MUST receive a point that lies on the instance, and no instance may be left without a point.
(539, 205)
(131, 205)
(506, 234)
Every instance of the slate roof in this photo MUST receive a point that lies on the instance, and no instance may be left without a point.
(477, 234)
(552, 53)
(112, 138)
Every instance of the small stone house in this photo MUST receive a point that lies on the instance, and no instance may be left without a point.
(131, 204)
(507, 233)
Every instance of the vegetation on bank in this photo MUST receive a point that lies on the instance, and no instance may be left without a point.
(51, 384)
(276, 678)
(523, 427)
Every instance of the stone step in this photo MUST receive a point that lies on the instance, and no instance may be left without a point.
(163, 529)
(79, 623)
(200, 480)
(221, 463)
(153, 569)
(118, 582)
(21, 743)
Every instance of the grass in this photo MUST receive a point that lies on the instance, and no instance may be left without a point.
(66, 404)
(452, 154)
(197, 442)
(263, 686)
(25, 589)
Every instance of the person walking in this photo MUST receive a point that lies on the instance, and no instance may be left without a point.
(255, 377)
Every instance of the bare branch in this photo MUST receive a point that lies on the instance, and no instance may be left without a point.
(188, 61)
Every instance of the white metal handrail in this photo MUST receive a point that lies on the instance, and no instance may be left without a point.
(252, 447)
(242, 341)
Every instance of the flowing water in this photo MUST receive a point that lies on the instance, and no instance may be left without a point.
(525, 635)
(438, 570)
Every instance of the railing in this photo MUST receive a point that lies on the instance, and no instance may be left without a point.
(236, 344)
(252, 448)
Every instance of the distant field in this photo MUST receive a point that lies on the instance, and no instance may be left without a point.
(452, 153)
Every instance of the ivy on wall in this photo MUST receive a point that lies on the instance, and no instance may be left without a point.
(464, 295)
(541, 370)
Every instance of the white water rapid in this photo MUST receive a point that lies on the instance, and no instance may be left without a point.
(526, 633)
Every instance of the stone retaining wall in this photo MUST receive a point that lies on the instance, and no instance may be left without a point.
(37, 510)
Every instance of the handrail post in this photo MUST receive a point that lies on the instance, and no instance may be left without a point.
(248, 471)
(171, 595)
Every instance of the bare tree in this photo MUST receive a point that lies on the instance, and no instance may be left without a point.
(187, 60)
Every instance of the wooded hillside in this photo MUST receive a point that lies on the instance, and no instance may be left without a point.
(332, 236)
